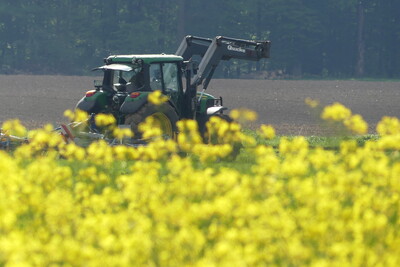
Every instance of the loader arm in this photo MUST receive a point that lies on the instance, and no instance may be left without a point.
(212, 51)
(224, 48)
(193, 45)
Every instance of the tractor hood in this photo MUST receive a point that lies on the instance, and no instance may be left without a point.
(115, 67)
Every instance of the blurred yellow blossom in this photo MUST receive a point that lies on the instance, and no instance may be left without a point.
(388, 126)
(312, 103)
(356, 124)
(243, 115)
(105, 120)
(267, 131)
(14, 127)
(336, 112)
(121, 133)
(76, 116)
(174, 203)
(150, 128)
(157, 97)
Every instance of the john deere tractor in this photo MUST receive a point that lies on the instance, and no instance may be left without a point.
(129, 79)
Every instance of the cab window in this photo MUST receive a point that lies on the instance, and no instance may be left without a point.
(155, 77)
(170, 71)
(121, 78)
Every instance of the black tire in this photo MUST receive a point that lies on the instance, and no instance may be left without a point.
(165, 113)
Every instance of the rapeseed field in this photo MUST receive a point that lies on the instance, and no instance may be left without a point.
(184, 202)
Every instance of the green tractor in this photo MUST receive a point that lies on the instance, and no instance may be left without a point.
(129, 79)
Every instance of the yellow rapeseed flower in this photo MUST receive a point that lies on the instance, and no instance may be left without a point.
(336, 112)
(14, 127)
(153, 205)
(267, 131)
(77, 115)
(312, 103)
(243, 115)
(388, 126)
(105, 120)
(121, 133)
(150, 128)
(157, 97)
(356, 124)
(188, 134)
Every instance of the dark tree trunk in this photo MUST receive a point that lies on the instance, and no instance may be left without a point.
(181, 19)
(258, 28)
(162, 25)
(360, 40)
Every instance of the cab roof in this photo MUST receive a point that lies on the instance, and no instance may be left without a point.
(146, 58)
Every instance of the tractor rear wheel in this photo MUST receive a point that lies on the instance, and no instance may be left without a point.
(165, 117)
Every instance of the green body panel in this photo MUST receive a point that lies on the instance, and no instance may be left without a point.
(203, 102)
(131, 105)
(147, 59)
(175, 98)
(96, 103)
(139, 98)
(100, 97)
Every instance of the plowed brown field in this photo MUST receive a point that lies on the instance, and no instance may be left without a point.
(37, 100)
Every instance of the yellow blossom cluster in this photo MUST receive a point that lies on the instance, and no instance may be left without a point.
(341, 114)
(157, 98)
(356, 124)
(158, 205)
(76, 116)
(150, 128)
(336, 112)
(222, 130)
(389, 129)
(267, 131)
(243, 115)
(105, 120)
(312, 103)
(388, 126)
(14, 127)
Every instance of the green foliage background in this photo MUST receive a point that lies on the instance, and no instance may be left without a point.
(310, 38)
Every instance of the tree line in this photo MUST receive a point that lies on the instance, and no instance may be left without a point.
(310, 38)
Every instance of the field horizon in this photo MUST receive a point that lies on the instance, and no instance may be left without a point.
(40, 99)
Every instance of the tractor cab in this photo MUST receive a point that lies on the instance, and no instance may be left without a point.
(129, 78)
(122, 78)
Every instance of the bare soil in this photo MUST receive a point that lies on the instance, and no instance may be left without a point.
(37, 100)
